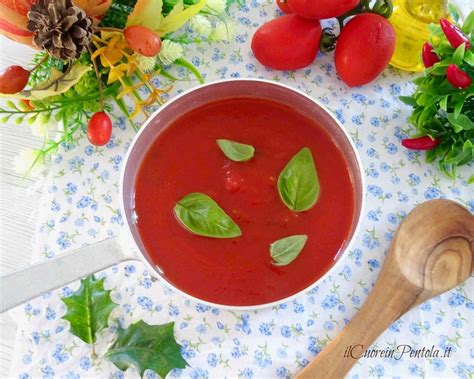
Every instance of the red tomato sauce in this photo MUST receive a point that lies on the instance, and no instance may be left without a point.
(185, 158)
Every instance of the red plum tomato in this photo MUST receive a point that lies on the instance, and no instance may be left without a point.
(287, 43)
(364, 49)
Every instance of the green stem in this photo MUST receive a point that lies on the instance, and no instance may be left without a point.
(383, 8)
(166, 74)
(3, 111)
(53, 145)
(123, 107)
(184, 63)
(108, 91)
(65, 102)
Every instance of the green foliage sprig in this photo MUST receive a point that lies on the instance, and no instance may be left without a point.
(442, 111)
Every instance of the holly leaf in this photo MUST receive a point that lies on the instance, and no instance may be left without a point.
(147, 347)
(88, 309)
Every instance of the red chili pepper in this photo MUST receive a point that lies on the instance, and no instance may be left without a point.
(457, 77)
(454, 35)
(421, 143)
(428, 55)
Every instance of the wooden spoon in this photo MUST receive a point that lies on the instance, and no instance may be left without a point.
(431, 253)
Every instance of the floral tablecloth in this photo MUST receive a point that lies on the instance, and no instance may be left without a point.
(80, 206)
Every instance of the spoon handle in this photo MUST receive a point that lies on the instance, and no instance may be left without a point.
(431, 253)
(390, 298)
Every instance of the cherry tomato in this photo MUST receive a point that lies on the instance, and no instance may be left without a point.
(364, 49)
(283, 5)
(99, 129)
(13, 79)
(287, 43)
(321, 9)
(142, 40)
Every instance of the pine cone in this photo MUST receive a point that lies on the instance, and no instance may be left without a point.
(60, 28)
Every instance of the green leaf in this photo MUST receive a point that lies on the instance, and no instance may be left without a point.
(201, 215)
(439, 68)
(431, 155)
(468, 25)
(471, 179)
(462, 122)
(419, 80)
(458, 107)
(426, 100)
(443, 103)
(45, 117)
(147, 347)
(11, 104)
(235, 151)
(298, 183)
(459, 157)
(31, 120)
(454, 11)
(426, 114)
(88, 309)
(408, 100)
(458, 55)
(286, 250)
(469, 58)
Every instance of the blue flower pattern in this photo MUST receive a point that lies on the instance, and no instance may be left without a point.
(81, 204)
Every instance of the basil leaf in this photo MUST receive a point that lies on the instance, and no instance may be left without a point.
(235, 151)
(88, 309)
(147, 347)
(298, 183)
(286, 250)
(201, 215)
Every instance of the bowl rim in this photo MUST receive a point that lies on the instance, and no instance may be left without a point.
(130, 239)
